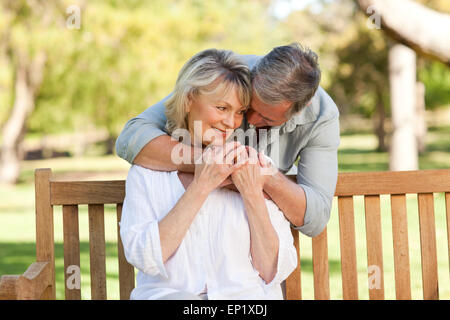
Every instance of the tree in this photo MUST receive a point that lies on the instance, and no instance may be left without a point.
(422, 29)
(402, 79)
(27, 58)
(125, 57)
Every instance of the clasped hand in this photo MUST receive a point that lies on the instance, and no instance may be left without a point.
(249, 177)
(232, 160)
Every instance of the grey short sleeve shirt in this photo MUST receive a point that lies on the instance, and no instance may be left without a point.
(312, 136)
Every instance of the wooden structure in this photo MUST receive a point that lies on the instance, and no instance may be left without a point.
(38, 282)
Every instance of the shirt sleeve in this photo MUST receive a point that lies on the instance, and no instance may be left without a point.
(317, 174)
(140, 130)
(139, 226)
(287, 254)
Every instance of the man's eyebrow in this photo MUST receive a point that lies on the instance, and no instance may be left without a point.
(270, 120)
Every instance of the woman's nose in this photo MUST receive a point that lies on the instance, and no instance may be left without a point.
(229, 121)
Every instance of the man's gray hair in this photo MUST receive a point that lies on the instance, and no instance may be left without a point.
(287, 73)
(204, 73)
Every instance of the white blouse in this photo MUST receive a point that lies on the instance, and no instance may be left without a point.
(214, 256)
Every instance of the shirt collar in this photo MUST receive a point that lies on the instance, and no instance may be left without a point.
(307, 115)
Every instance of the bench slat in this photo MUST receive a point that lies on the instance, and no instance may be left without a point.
(126, 270)
(87, 192)
(71, 252)
(320, 266)
(447, 208)
(348, 248)
(401, 248)
(293, 282)
(97, 251)
(428, 246)
(374, 247)
(393, 182)
(45, 241)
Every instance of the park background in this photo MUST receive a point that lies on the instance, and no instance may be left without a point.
(73, 72)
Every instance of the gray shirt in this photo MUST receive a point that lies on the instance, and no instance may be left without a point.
(311, 135)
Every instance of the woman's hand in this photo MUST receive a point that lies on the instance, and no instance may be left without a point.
(264, 242)
(217, 163)
(249, 177)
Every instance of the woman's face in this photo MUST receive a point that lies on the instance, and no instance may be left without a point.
(218, 114)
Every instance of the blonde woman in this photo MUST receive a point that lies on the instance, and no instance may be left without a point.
(189, 238)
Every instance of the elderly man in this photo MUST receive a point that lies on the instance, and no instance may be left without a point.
(303, 122)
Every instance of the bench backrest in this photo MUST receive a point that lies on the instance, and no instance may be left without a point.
(95, 194)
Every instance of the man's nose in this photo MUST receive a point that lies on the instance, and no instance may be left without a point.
(252, 117)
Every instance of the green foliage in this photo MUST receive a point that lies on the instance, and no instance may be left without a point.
(354, 57)
(127, 55)
(436, 78)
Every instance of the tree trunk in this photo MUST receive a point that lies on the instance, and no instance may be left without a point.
(414, 25)
(402, 79)
(421, 124)
(28, 77)
(380, 120)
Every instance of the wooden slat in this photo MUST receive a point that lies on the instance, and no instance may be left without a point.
(97, 251)
(374, 247)
(447, 209)
(126, 270)
(401, 248)
(348, 248)
(71, 253)
(293, 282)
(87, 192)
(45, 250)
(393, 182)
(320, 266)
(428, 246)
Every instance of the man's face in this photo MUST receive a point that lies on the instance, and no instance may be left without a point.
(261, 114)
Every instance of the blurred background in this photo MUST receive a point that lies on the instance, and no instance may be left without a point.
(73, 72)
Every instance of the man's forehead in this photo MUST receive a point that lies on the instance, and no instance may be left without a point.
(266, 110)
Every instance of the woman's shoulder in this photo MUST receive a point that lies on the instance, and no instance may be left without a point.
(141, 174)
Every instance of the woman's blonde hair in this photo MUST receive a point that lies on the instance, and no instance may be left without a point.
(204, 73)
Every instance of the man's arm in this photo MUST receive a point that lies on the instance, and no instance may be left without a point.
(307, 204)
(288, 196)
(157, 155)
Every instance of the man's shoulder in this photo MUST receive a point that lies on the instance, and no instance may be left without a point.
(323, 105)
(321, 108)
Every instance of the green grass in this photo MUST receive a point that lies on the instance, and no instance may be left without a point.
(356, 153)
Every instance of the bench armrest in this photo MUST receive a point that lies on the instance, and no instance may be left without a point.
(28, 286)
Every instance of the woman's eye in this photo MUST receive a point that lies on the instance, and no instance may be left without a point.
(221, 108)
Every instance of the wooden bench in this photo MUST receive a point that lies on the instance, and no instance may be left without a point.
(38, 282)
